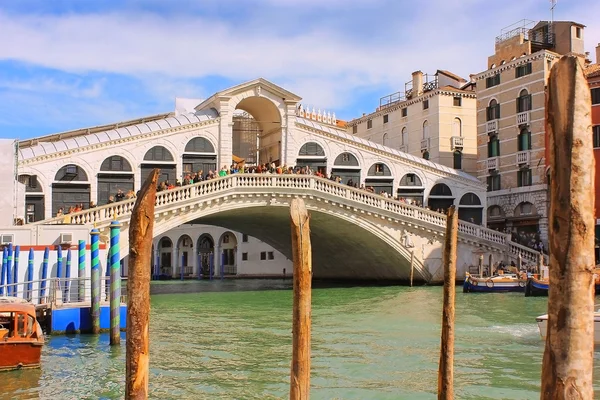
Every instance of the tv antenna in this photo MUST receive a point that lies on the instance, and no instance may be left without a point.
(552, 5)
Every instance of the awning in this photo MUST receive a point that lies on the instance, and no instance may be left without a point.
(237, 159)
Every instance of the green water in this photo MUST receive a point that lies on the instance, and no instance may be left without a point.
(232, 340)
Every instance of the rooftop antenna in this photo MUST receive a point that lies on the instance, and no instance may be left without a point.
(552, 5)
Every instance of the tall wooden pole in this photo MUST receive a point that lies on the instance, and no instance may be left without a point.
(568, 357)
(481, 266)
(446, 368)
(490, 262)
(302, 258)
(138, 291)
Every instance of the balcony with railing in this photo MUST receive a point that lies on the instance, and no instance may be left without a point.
(523, 157)
(523, 118)
(492, 163)
(457, 142)
(425, 144)
(491, 126)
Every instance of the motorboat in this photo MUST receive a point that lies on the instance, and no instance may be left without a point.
(501, 282)
(542, 322)
(537, 285)
(21, 336)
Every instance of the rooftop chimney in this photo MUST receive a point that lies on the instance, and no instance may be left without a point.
(598, 54)
(417, 83)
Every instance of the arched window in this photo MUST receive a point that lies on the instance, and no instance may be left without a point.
(457, 127)
(346, 159)
(158, 153)
(71, 173)
(411, 180)
(470, 199)
(493, 110)
(425, 129)
(440, 197)
(199, 145)
(404, 138)
(440, 189)
(524, 140)
(470, 208)
(523, 101)
(311, 149)
(457, 157)
(115, 164)
(384, 139)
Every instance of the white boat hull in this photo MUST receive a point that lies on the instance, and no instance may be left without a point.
(542, 322)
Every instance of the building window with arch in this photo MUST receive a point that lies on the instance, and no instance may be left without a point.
(493, 110)
(457, 159)
(404, 137)
(425, 129)
(523, 101)
(524, 140)
(457, 127)
(493, 147)
(384, 140)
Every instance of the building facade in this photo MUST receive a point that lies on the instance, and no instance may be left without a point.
(434, 118)
(593, 77)
(511, 133)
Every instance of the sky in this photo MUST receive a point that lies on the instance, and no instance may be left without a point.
(73, 64)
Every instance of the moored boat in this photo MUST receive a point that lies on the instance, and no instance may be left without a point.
(538, 285)
(497, 283)
(21, 336)
(542, 322)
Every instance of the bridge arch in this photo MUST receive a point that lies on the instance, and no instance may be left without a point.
(268, 116)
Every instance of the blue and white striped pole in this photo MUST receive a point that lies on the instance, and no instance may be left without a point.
(3, 274)
(81, 271)
(9, 289)
(30, 275)
(59, 265)
(115, 284)
(67, 277)
(95, 278)
(15, 291)
(44, 275)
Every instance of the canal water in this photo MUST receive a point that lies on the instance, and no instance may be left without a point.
(232, 340)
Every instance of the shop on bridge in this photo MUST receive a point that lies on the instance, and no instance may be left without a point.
(115, 174)
(379, 177)
(71, 187)
(159, 157)
(346, 166)
(440, 198)
(199, 155)
(496, 219)
(34, 199)
(470, 208)
(411, 189)
(312, 155)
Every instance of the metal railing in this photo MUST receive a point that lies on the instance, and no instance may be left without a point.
(59, 291)
(290, 184)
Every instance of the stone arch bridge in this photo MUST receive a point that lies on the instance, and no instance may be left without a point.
(356, 235)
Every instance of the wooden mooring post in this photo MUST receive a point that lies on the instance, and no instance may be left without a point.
(446, 367)
(302, 258)
(568, 357)
(138, 291)
(412, 266)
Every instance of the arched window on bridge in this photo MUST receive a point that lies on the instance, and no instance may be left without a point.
(34, 198)
(206, 253)
(199, 155)
(346, 166)
(440, 198)
(470, 208)
(312, 155)
(411, 189)
(115, 174)
(159, 157)
(71, 188)
(379, 177)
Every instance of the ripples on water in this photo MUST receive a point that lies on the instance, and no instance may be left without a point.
(232, 340)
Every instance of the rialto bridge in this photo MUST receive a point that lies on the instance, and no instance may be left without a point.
(355, 234)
